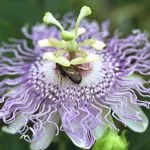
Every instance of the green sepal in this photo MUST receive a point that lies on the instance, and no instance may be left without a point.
(111, 141)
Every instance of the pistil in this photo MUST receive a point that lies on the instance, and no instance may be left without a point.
(68, 44)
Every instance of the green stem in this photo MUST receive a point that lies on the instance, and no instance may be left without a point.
(62, 143)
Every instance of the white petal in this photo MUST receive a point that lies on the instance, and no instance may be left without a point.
(46, 139)
(85, 142)
(99, 131)
(16, 125)
(80, 136)
(137, 126)
(43, 142)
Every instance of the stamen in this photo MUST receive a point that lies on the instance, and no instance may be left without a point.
(82, 60)
(58, 59)
(98, 45)
(52, 42)
(60, 52)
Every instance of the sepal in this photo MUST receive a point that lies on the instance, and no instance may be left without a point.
(111, 141)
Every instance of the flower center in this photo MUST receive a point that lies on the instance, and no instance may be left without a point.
(68, 46)
(74, 73)
(84, 69)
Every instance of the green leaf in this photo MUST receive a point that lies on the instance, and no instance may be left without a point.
(12, 142)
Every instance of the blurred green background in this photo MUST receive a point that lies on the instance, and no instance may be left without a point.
(125, 15)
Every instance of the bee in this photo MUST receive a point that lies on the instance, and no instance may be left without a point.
(70, 72)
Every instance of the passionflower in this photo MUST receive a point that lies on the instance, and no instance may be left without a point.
(76, 78)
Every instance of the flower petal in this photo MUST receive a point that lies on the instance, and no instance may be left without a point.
(135, 125)
(99, 131)
(44, 141)
(77, 132)
(81, 139)
(16, 125)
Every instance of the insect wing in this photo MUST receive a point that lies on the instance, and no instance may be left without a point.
(71, 73)
(74, 76)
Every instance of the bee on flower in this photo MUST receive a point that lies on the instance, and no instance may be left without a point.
(76, 78)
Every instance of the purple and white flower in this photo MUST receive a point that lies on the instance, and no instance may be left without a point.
(37, 96)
